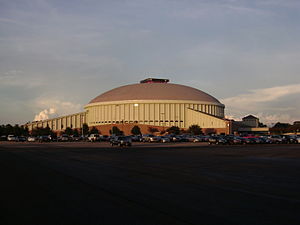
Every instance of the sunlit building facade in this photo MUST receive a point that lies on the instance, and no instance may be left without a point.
(152, 102)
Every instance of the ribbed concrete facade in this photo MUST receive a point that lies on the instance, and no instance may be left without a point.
(156, 113)
(61, 123)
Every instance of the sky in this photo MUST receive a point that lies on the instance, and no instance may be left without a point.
(57, 55)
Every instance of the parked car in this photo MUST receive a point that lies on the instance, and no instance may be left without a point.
(75, 138)
(94, 137)
(121, 141)
(204, 138)
(217, 140)
(265, 140)
(64, 137)
(136, 137)
(104, 137)
(275, 139)
(289, 139)
(44, 138)
(174, 138)
(251, 140)
(183, 138)
(20, 138)
(31, 139)
(150, 138)
(164, 139)
(3, 138)
(233, 140)
(11, 137)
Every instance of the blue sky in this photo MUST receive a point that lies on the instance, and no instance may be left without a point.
(56, 55)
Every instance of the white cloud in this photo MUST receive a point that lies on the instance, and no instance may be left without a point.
(262, 95)
(55, 107)
(268, 104)
(44, 114)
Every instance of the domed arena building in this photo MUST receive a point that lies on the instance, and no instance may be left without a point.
(151, 103)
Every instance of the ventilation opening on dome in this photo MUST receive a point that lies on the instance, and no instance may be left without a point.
(154, 80)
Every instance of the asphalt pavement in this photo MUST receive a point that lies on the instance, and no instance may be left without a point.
(187, 183)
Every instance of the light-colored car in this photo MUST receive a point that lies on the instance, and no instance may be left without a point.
(11, 137)
(31, 139)
(94, 137)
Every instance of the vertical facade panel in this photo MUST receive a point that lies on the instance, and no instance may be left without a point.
(156, 114)
(126, 112)
(131, 112)
(109, 113)
(141, 112)
(147, 117)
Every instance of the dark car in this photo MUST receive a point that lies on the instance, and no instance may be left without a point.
(232, 140)
(44, 139)
(3, 138)
(75, 137)
(21, 139)
(217, 140)
(289, 139)
(251, 140)
(120, 141)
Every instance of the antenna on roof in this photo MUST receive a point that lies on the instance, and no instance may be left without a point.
(154, 80)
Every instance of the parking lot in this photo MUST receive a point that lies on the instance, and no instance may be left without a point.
(149, 183)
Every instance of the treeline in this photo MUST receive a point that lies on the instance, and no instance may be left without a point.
(14, 130)
(40, 131)
(280, 128)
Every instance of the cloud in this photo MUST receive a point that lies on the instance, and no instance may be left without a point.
(55, 107)
(269, 104)
(44, 114)
(263, 95)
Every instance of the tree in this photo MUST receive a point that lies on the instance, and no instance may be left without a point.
(17, 130)
(2, 130)
(116, 131)
(282, 125)
(195, 129)
(173, 130)
(75, 132)
(94, 130)
(9, 129)
(261, 125)
(152, 129)
(136, 130)
(24, 131)
(85, 129)
(40, 131)
(162, 132)
(68, 131)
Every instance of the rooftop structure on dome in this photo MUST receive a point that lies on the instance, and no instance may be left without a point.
(154, 80)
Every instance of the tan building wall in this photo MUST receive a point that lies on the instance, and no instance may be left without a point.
(126, 114)
(60, 123)
(208, 123)
(155, 113)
